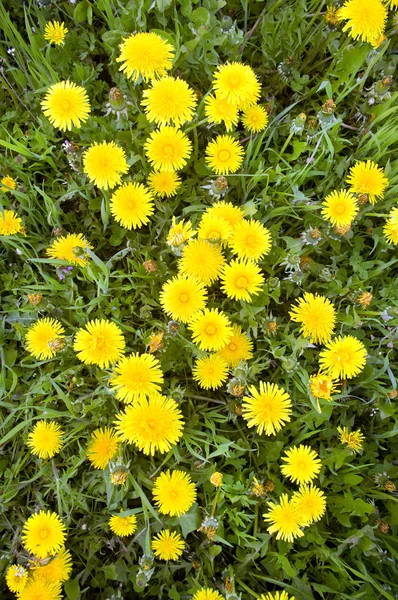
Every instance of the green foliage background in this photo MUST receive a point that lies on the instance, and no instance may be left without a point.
(301, 62)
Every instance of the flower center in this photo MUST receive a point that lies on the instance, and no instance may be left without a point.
(211, 329)
(234, 81)
(184, 298)
(214, 235)
(65, 104)
(340, 209)
(232, 347)
(250, 240)
(343, 357)
(104, 163)
(43, 534)
(168, 150)
(98, 343)
(224, 155)
(211, 371)
(151, 424)
(241, 282)
(173, 494)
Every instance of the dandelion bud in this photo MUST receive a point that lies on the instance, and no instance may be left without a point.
(363, 198)
(383, 527)
(119, 475)
(342, 229)
(328, 107)
(389, 486)
(365, 299)
(332, 16)
(226, 23)
(216, 479)
(150, 266)
(221, 183)
(35, 299)
(393, 394)
(173, 327)
(56, 345)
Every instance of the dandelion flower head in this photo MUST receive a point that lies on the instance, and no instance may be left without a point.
(137, 376)
(45, 439)
(100, 343)
(174, 493)
(153, 424)
(66, 105)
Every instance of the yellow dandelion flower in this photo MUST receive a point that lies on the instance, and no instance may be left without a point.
(55, 32)
(353, 440)
(255, 118)
(39, 336)
(202, 260)
(100, 343)
(16, 578)
(210, 372)
(310, 503)
(153, 424)
(219, 110)
(224, 155)
(207, 594)
(123, 526)
(70, 247)
(145, 54)
(227, 211)
(174, 493)
(276, 596)
(183, 297)
(164, 183)
(214, 229)
(211, 329)
(268, 409)
(322, 386)
(104, 164)
(66, 105)
(390, 229)
(366, 18)
(344, 357)
(41, 589)
(238, 348)
(242, 279)
(168, 149)
(131, 205)
(285, 520)
(10, 223)
(317, 316)
(8, 183)
(251, 240)
(58, 569)
(45, 440)
(302, 464)
(237, 83)
(179, 233)
(167, 545)
(43, 534)
(170, 101)
(137, 376)
(103, 446)
(340, 208)
(367, 178)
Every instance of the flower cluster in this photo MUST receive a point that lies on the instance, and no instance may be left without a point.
(44, 537)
